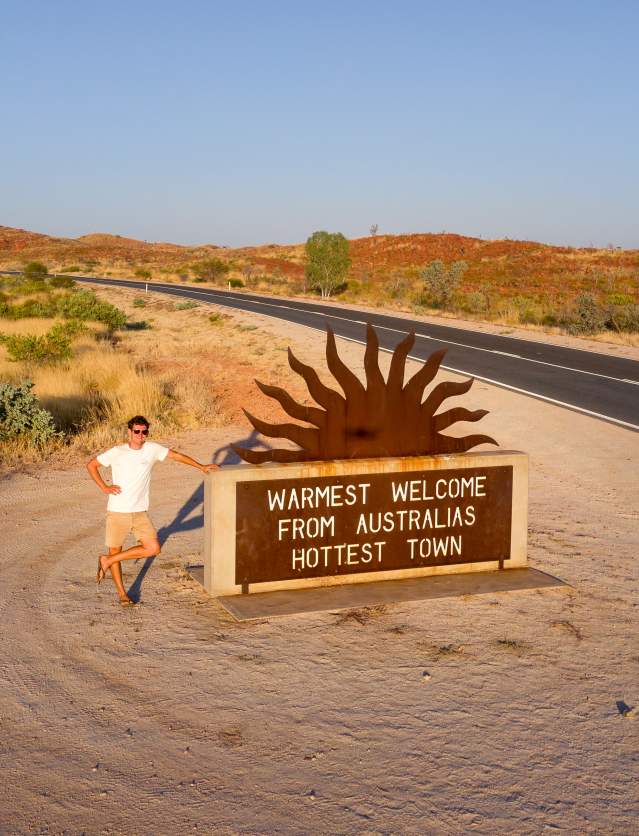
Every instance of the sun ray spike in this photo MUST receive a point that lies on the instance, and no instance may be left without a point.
(328, 398)
(444, 390)
(349, 381)
(310, 414)
(306, 437)
(448, 444)
(414, 389)
(398, 363)
(459, 413)
(374, 378)
(276, 455)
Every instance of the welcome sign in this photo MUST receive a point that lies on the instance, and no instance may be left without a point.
(375, 487)
(337, 526)
(280, 526)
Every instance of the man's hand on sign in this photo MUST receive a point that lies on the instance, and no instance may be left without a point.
(207, 468)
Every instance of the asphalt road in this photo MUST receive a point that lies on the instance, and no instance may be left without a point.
(601, 385)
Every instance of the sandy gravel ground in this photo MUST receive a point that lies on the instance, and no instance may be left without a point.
(170, 718)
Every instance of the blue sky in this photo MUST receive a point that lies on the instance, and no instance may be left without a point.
(260, 122)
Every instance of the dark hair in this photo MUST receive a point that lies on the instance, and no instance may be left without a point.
(138, 419)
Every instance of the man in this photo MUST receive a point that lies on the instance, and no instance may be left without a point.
(131, 466)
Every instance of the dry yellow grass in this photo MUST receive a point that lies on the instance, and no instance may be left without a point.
(38, 327)
(182, 371)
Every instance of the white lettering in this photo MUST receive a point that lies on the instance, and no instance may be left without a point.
(276, 499)
(306, 529)
(351, 495)
(400, 490)
(437, 546)
(282, 527)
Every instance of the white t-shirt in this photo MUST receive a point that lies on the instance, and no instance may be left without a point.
(131, 470)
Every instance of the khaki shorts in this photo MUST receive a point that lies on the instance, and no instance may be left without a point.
(119, 526)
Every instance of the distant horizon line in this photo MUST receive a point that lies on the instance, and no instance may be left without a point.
(609, 247)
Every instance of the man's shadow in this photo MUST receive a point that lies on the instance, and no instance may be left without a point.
(188, 518)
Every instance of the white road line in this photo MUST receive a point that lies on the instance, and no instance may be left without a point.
(447, 342)
(457, 371)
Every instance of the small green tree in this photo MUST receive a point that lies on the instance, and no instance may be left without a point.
(441, 281)
(327, 261)
(587, 316)
(35, 271)
(210, 269)
(143, 273)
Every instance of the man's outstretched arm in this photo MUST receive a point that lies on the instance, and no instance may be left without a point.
(184, 459)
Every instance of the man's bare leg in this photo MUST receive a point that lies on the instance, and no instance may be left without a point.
(112, 560)
(116, 574)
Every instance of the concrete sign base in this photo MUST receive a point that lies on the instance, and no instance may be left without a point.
(362, 595)
(292, 526)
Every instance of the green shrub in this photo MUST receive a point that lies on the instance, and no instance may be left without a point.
(143, 273)
(623, 318)
(620, 299)
(85, 305)
(210, 269)
(216, 318)
(236, 283)
(187, 305)
(476, 302)
(61, 281)
(25, 287)
(35, 270)
(71, 329)
(41, 308)
(74, 268)
(26, 348)
(139, 302)
(21, 415)
(529, 316)
(52, 347)
(441, 281)
(587, 316)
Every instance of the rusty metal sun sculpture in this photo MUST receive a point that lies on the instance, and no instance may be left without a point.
(383, 418)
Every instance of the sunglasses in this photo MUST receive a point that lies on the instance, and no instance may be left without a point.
(140, 432)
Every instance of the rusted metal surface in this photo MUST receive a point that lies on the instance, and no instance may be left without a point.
(320, 526)
(382, 418)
